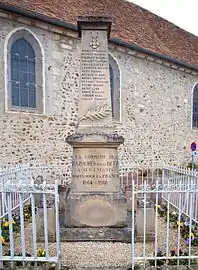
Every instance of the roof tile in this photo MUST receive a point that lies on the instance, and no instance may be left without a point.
(130, 23)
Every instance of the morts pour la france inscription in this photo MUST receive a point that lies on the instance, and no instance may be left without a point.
(94, 170)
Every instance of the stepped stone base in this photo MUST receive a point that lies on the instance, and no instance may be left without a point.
(96, 234)
(98, 268)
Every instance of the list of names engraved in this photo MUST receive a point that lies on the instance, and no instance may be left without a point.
(95, 94)
(94, 74)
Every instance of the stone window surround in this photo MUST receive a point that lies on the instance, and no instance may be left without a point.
(40, 74)
(117, 88)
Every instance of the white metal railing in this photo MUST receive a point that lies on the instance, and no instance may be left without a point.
(170, 191)
(18, 185)
(13, 175)
(25, 174)
(138, 175)
(186, 178)
(37, 171)
(168, 186)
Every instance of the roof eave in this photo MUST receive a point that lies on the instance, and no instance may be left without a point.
(46, 19)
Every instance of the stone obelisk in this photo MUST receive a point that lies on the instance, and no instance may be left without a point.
(95, 206)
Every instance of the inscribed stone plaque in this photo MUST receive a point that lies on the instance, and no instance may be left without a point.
(95, 96)
(95, 169)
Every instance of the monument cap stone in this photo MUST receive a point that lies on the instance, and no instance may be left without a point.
(93, 22)
(81, 139)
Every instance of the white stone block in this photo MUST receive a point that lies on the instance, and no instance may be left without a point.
(65, 46)
(42, 25)
(24, 20)
(4, 15)
(141, 55)
(56, 37)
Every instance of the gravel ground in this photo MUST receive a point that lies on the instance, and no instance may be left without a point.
(104, 254)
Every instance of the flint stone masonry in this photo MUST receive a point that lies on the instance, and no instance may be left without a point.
(161, 133)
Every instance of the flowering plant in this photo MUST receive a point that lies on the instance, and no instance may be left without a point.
(5, 225)
(15, 223)
(181, 222)
(41, 252)
(16, 218)
(173, 260)
(161, 210)
(27, 214)
(3, 240)
(159, 262)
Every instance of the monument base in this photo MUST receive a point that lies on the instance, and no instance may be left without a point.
(103, 234)
(96, 209)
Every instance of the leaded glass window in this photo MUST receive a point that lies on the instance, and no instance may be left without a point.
(23, 75)
(195, 107)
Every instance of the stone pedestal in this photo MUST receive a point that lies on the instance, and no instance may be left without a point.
(128, 192)
(95, 199)
(150, 220)
(51, 224)
(51, 214)
(96, 209)
(63, 191)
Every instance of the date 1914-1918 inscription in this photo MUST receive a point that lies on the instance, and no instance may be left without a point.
(95, 169)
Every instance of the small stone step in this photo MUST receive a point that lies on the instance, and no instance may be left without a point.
(98, 268)
(96, 234)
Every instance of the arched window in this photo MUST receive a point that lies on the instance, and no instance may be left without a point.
(111, 87)
(24, 80)
(195, 107)
(115, 88)
(23, 74)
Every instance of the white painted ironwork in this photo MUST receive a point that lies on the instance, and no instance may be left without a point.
(28, 182)
(175, 189)
(22, 175)
(10, 176)
(186, 178)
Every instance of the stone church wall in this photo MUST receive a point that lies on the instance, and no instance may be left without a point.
(155, 106)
